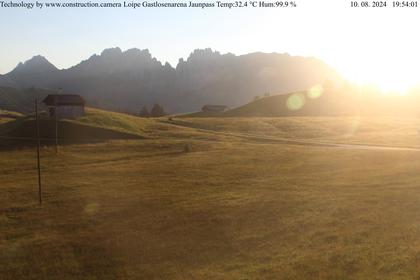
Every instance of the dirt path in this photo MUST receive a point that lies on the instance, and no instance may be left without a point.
(270, 139)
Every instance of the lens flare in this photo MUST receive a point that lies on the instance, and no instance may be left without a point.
(295, 101)
(315, 91)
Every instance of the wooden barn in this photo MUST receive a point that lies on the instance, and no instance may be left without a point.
(66, 106)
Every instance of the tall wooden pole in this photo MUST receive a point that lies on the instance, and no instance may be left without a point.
(56, 126)
(60, 90)
(37, 151)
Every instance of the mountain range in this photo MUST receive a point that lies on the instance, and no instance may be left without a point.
(128, 80)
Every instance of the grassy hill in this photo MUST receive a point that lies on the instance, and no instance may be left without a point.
(96, 126)
(201, 115)
(385, 130)
(6, 116)
(315, 102)
(318, 101)
(86, 129)
(231, 207)
(114, 121)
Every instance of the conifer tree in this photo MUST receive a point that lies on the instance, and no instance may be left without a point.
(144, 113)
(157, 111)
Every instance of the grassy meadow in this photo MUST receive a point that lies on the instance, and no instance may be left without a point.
(231, 207)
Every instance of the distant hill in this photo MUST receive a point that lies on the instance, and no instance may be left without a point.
(327, 102)
(129, 80)
(292, 104)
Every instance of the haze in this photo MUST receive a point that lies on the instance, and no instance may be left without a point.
(381, 52)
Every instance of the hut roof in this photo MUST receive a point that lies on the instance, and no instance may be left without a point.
(64, 100)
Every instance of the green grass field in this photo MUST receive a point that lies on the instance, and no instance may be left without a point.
(234, 207)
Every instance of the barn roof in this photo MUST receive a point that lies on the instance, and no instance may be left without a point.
(63, 100)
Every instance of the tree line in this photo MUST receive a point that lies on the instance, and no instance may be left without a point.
(157, 111)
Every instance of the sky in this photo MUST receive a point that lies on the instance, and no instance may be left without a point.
(377, 46)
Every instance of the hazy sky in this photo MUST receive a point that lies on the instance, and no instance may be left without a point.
(378, 46)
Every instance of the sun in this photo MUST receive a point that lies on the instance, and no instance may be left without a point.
(391, 74)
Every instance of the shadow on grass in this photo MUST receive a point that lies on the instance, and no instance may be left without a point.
(22, 133)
